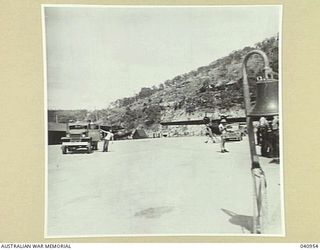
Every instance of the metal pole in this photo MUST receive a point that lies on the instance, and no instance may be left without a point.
(258, 177)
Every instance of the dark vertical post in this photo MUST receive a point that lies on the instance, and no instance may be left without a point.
(258, 177)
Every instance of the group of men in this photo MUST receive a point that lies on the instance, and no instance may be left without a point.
(212, 132)
(268, 137)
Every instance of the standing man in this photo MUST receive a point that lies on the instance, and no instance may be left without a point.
(107, 139)
(264, 137)
(223, 131)
(275, 137)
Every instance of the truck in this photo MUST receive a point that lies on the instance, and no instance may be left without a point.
(81, 135)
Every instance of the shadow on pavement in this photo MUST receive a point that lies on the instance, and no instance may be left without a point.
(78, 152)
(244, 221)
(82, 151)
(154, 212)
(275, 160)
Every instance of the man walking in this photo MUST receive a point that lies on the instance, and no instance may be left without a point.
(210, 134)
(107, 139)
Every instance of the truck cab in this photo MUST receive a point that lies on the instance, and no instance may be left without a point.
(77, 138)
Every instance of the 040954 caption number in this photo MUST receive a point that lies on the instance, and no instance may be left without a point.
(308, 245)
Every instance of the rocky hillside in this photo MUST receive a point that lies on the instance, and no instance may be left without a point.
(212, 89)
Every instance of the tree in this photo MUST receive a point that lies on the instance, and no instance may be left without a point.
(153, 114)
(145, 92)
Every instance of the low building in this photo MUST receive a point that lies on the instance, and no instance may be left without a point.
(55, 132)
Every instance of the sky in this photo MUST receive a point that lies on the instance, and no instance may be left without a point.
(96, 55)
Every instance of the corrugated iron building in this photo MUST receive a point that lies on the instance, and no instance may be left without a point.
(55, 132)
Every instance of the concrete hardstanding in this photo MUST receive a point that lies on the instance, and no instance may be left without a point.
(157, 186)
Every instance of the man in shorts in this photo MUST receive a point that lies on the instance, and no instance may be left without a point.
(223, 131)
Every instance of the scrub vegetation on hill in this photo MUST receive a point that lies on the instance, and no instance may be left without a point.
(212, 89)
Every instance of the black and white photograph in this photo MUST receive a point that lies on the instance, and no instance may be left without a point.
(163, 120)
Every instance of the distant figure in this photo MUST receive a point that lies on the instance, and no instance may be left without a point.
(223, 131)
(109, 136)
(275, 137)
(264, 135)
(91, 125)
(210, 134)
(269, 140)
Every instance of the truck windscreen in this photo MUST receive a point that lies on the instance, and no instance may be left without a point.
(78, 127)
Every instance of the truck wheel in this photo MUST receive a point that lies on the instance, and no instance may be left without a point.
(64, 150)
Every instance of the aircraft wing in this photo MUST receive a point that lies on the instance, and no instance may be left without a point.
(206, 120)
(240, 119)
(232, 119)
(203, 121)
(188, 122)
